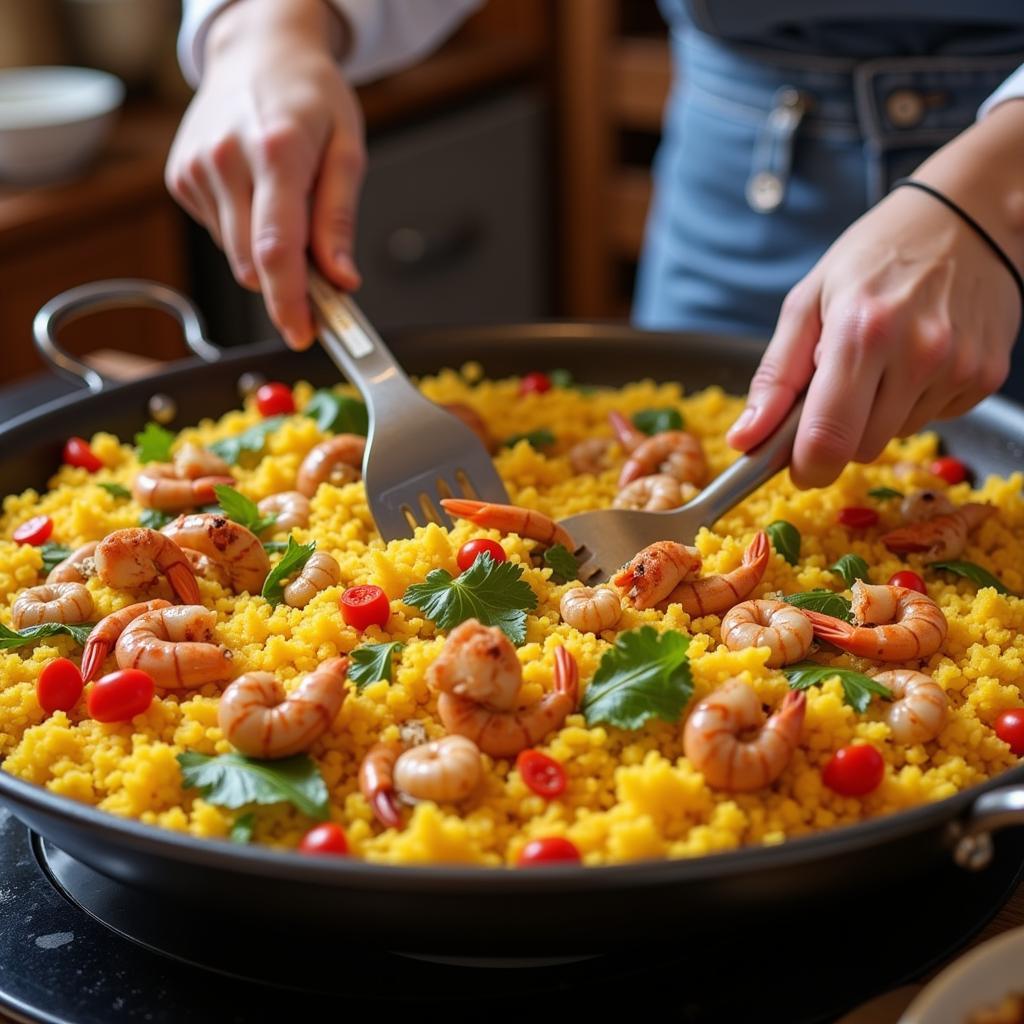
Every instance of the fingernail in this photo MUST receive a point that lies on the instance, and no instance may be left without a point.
(746, 418)
(346, 268)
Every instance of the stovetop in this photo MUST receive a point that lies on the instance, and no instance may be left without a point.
(78, 948)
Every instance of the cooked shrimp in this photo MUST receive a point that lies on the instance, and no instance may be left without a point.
(106, 632)
(237, 550)
(51, 602)
(918, 713)
(337, 461)
(479, 663)
(445, 771)
(656, 493)
(630, 436)
(780, 627)
(589, 455)
(727, 743)
(175, 646)
(319, 573)
(919, 506)
(206, 567)
(473, 420)
(674, 452)
(377, 782)
(943, 536)
(291, 509)
(503, 734)
(526, 522)
(191, 462)
(258, 718)
(137, 557)
(77, 567)
(712, 595)
(894, 624)
(591, 609)
(656, 570)
(157, 485)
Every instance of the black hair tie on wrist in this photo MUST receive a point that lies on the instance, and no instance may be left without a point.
(968, 219)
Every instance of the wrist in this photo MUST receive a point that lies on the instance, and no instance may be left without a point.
(315, 24)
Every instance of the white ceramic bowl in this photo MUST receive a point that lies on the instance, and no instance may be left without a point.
(53, 121)
(978, 981)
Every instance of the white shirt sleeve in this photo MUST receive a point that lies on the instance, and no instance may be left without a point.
(386, 34)
(1011, 89)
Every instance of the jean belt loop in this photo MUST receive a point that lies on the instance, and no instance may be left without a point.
(773, 150)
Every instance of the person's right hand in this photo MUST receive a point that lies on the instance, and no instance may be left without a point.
(270, 154)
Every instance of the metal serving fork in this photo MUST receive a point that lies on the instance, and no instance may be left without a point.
(416, 453)
(606, 540)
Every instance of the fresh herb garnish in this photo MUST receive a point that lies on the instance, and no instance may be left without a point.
(858, 688)
(338, 414)
(241, 831)
(823, 601)
(242, 510)
(884, 493)
(561, 378)
(562, 563)
(785, 538)
(116, 490)
(654, 421)
(153, 444)
(851, 568)
(976, 573)
(492, 592)
(645, 675)
(53, 555)
(272, 546)
(542, 438)
(294, 558)
(154, 519)
(254, 439)
(232, 780)
(372, 662)
(9, 639)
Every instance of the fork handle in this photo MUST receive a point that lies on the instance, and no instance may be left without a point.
(748, 472)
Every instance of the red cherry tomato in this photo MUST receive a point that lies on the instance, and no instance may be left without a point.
(552, 850)
(855, 770)
(953, 471)
(543, 774)
(325, 839)
(275, 399)
(472, 548)
(535, 383)
(365, 606)
(59, 686)
(1010, 729)
(35, 531)
(857, 518)
(78, 453)
(120, 696)
(908, 580)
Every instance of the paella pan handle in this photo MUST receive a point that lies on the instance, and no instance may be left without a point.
(1001, 808)
(117, 293)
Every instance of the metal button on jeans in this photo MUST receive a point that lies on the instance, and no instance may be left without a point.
(905, 108)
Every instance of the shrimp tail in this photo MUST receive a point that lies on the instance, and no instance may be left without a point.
(830, 629)
(758, 552)
(628, 435)
(203, 487)
(183, 582)
(567, 674)
(465, 508)
(95, 654)
(386, 808)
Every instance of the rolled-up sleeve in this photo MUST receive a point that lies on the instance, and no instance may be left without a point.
(386, 35)
(1011, 89)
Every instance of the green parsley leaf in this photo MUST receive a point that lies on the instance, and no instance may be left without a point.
(231, 449)
(561, 378)
(645, 675)
(271, 546)
(294, 558)
(53, 555)
(654, 421)
(884, 493)
(372, 662)
(858, 688)
(542, 438)
(785, 538)
(562, 562)
(116, 490)
(492, 592)
(9, 639)
(976, 573)
(241, 831)
(154, 444)
(232, 780)
(242, 510)
(851, 568)
(154, 519)
(338, 414)
(823, 601)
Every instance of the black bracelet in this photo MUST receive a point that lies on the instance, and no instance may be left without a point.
(968, 219)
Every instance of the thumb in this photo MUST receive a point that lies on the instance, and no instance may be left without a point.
(335, 198)
(785, 369)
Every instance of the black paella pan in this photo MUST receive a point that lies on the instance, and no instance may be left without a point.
(449, 909)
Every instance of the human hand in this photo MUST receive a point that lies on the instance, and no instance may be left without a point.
(270, 154)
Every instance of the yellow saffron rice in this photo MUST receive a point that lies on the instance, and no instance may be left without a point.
(631, 795)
